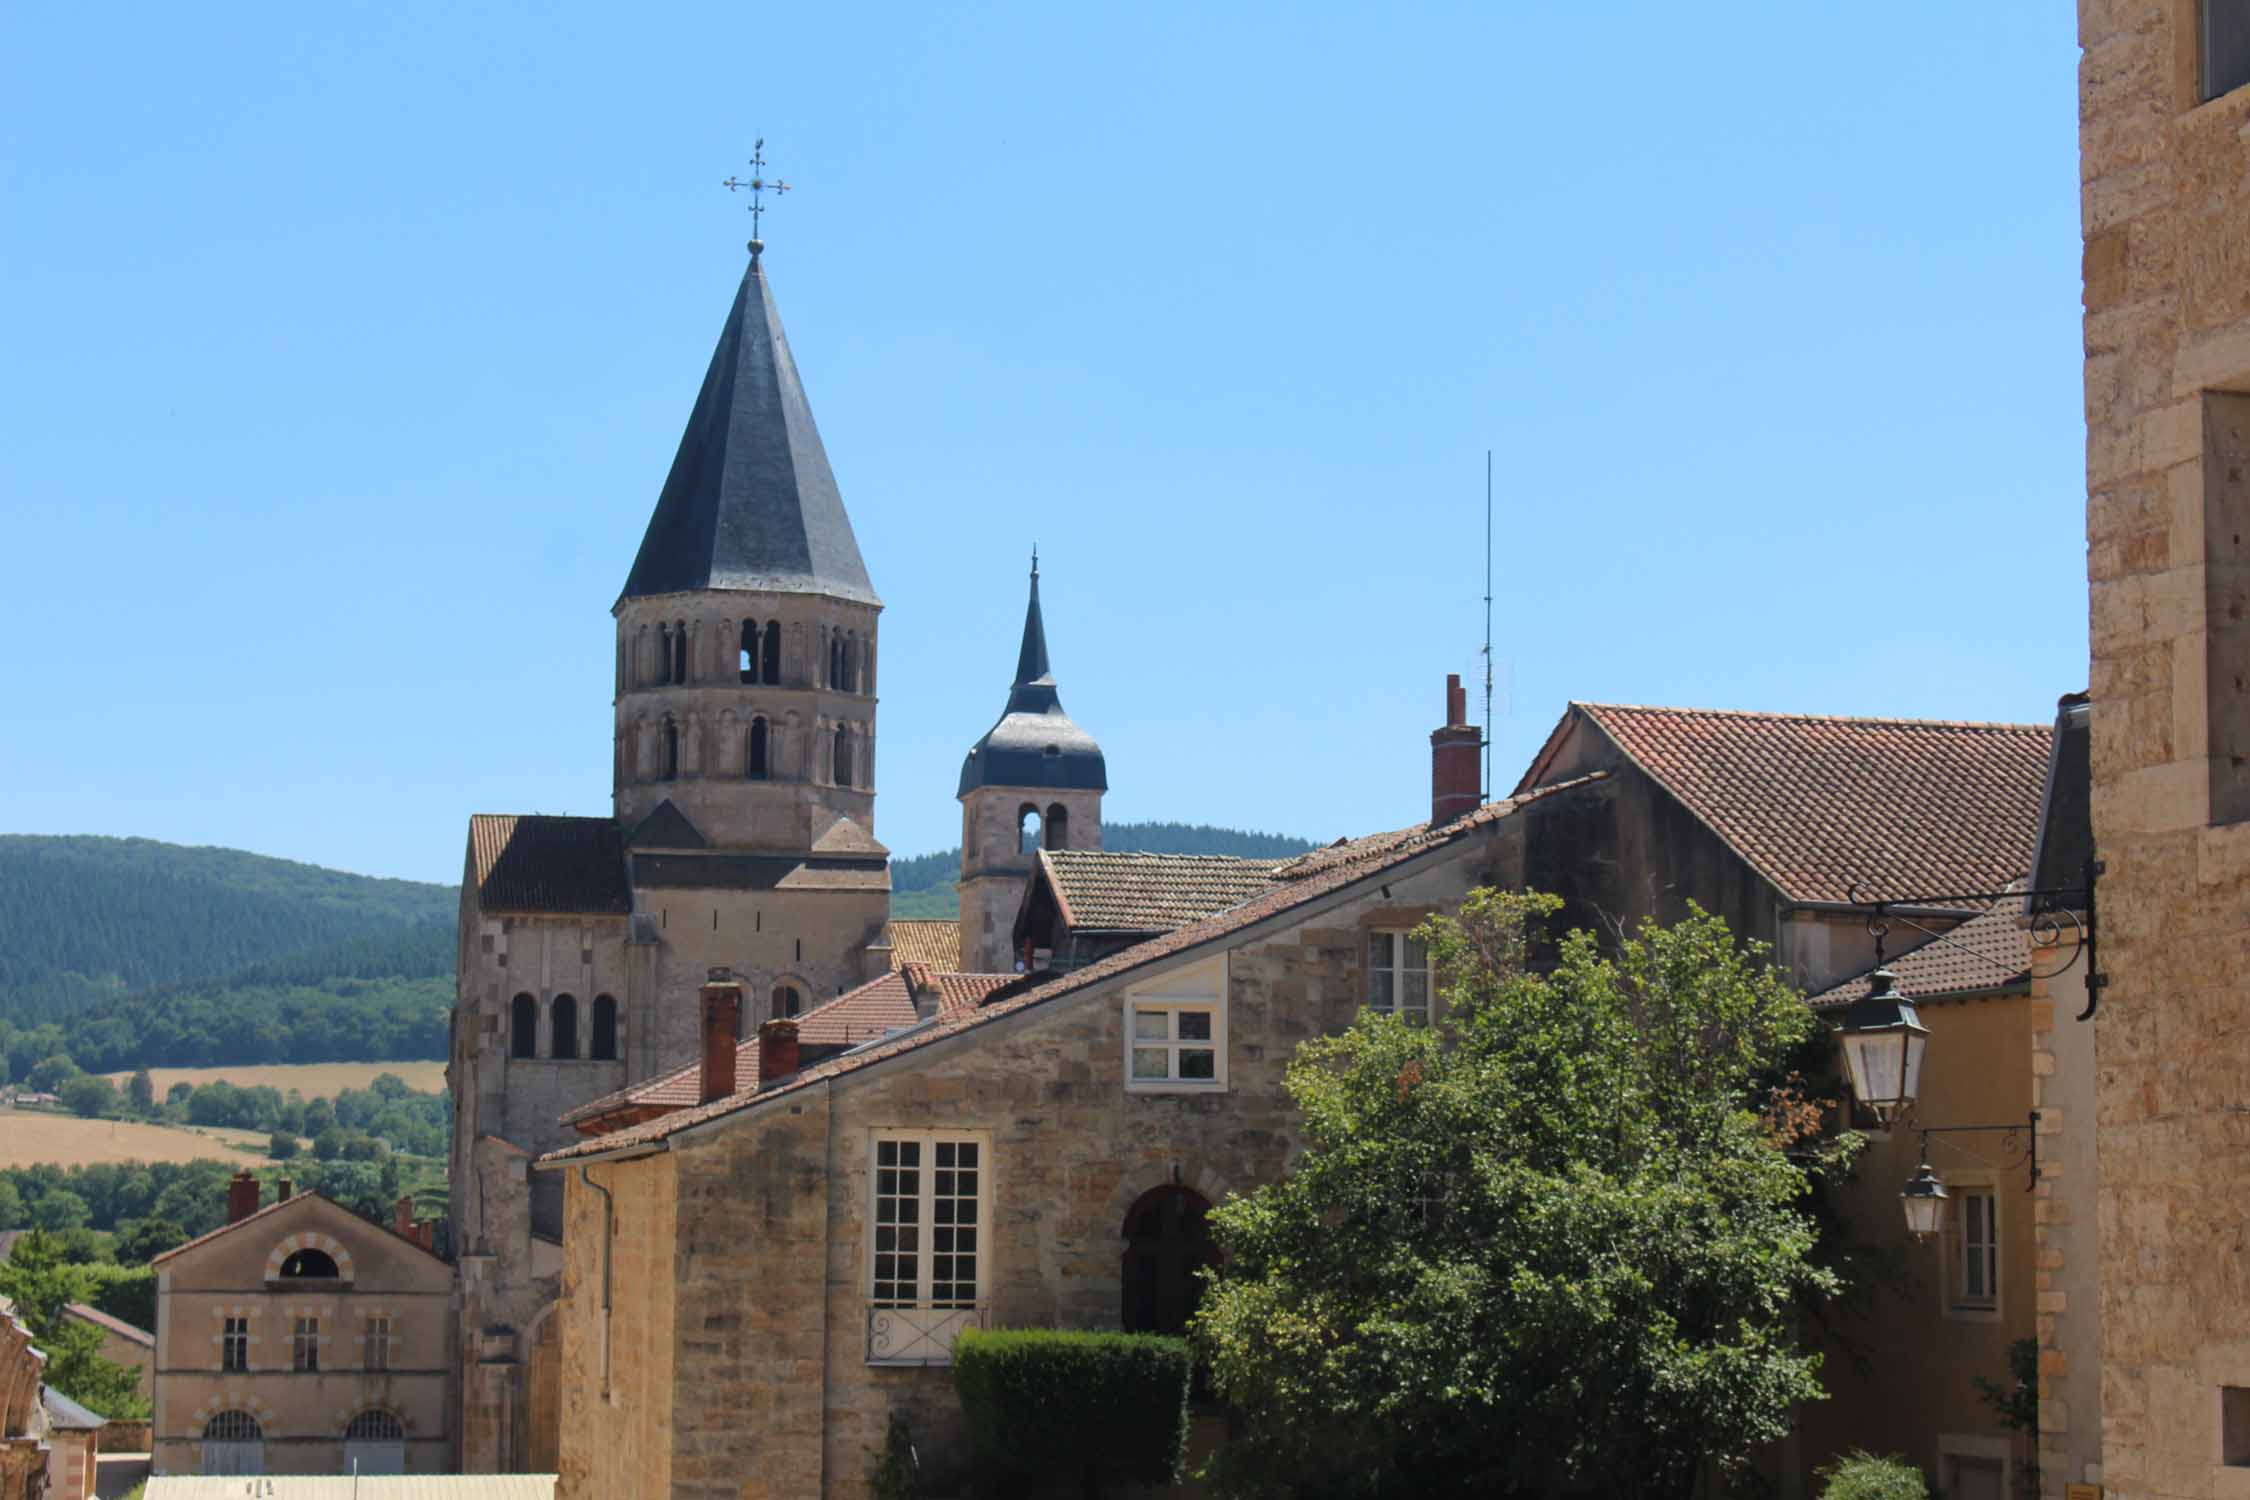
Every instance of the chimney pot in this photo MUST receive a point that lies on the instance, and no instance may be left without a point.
(242, 1196)
(722, 1017)
(403, 1217)
(1456, 752)
(777, 1050)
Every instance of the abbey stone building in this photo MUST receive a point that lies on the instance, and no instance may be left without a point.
(741, 837)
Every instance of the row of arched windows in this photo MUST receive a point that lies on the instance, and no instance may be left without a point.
(841, 756)
(666, 656)
(562, 1028)
(1034, 832)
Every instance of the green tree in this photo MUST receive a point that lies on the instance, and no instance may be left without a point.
(11, 1207)
(51, 1073)
(140, 1092)
(59, 1209)
(281, 1145)
(143, 1240)
(329, 1144)
(90, 1095)
(1550, 1244)
(41, 1284)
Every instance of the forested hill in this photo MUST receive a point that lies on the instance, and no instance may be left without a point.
(125, 952)
(923, 885)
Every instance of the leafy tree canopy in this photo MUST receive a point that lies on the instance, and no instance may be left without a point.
(1549, 1244)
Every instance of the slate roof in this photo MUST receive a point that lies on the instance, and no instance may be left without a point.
(918, 940)
(67, 1414)
(1988, 952)
(750, 502)
(1906, 807)
(537, 863)
(1034, 743)
(1391, 850)
(124, 1330)
(874, 1009)
(1102, 891)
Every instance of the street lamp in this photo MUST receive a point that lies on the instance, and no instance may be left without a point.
(1924, 1199)
(1883, 1042)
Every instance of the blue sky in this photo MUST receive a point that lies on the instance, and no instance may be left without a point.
(348, 346)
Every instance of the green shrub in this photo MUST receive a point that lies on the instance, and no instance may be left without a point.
(1860, 1475)
(895, 1471)
(1046, 1403)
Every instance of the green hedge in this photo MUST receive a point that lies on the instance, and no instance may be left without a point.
(1860, 1475)
(1047, 1404)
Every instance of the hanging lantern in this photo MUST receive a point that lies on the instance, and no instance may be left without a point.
(1924, 1199)
(1883, 1043)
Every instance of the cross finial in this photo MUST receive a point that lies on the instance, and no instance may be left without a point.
(758, 185)
(1035, 559)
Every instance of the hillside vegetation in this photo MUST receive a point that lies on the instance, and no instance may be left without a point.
(923, 885)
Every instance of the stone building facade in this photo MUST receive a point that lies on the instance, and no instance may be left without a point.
(741, 834)
(302, 1339)
(2165, 208)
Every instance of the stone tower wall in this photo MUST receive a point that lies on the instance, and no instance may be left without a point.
(994, 868)
(2166, 218)
(712, 711)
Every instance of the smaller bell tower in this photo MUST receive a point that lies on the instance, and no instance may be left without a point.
(1035, 781)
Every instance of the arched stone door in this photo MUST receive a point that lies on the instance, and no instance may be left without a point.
(1166, 1243)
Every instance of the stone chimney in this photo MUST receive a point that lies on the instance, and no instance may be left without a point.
(922, 989)
(284, 1190)
(1456, 779)
(722, 1015)
(242, 1196)
(777, 1050)
(402, 1220)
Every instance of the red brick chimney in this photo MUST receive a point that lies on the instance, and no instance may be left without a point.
(1456, 780)
(722, 1015)
(777, 1050)
(242, 1196)
(402, 1220)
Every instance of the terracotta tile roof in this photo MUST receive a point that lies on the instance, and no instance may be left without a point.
(873, 1010)
(1101, 891)
(283, 1205)
(1391, 850)
(87, 1313)
(917, 940)
(1987, 952)
(1905, 807)
(535, 862)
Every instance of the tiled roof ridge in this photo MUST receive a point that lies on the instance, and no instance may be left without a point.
(1227, 859)
(1931, 958)
(1275, 900)
(301, 1195)
(1809, 718)
(545, 817)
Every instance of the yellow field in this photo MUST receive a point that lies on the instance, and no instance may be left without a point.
(29, 1136)
(313, 1080)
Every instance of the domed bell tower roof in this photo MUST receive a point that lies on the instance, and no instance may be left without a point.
(1035, 744)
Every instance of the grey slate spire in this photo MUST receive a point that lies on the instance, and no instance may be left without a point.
(750, 502)
(1035, 744)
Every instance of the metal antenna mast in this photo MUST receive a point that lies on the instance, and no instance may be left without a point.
(1488, 625)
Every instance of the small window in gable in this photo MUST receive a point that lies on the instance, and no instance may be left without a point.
(1176, 1031)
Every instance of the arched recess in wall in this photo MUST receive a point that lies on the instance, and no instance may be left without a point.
(565, 1027)
(786, 1001)
(843, 755)
(1057, 830)
(679, 651)
(758, 754)
(746, 656)
(603, 1041)
(769, 654)
(523, 1027)
(1167, 1242)
(671, 748)
(1028, 830)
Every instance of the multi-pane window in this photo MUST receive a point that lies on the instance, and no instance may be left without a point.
(376, 1355)
(1398, 976)
(1978, 1282)
(1175, 1043)
(1176, 1030)
(927, 1222)
(234, 1345)
(304, 1345)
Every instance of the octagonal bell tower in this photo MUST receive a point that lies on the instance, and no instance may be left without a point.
(1035, 781)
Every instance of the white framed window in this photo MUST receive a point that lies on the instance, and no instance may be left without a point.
(304, 1345)
(927, 1244)
(375, 1353)
(1398, 976)
(234, 1345)
(1176, 1031)
(1972, 1252)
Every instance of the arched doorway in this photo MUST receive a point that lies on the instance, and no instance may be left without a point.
(1166, 1244)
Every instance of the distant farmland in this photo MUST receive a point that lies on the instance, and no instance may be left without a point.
(313, 1080)
(28, 1137)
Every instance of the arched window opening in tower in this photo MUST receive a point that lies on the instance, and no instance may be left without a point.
(843, 755)
(786, 1001)
(663, 672)
(746, 660)
(303, 1264)
(836, 661)
(565, 1027)
(1027, 829)
(671, 750)
(771, 654)
(679, 651)
(851, 664)
(604, 1040)
(523, 1027)
(1058, 827)
(759, 755)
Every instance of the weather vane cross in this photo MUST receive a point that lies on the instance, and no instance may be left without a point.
(758, 185)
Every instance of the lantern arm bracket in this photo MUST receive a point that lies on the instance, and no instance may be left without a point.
(2055, 913)
(2027, 1129)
